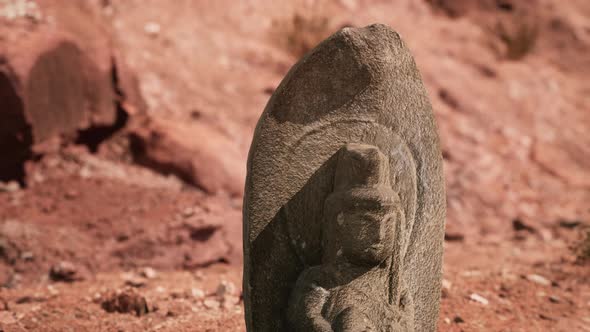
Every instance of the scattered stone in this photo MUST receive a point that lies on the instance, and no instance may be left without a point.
(149, 273)
(458, 320)
(10, 186)
(197, 293)
(211, 304)
(71, 194)
(446, 287)
(27, 256)
(38, 177)
(188, 212)
(135, 282)
(447, 320)
(519, 225)
(538, 279)
(446, 284)
(479, 299)
(64, 271)
(152, 28)
(199, 275)
(85, 172)
(126, 301)
(97, 297)
(52, 290)
(545, 317)
(554, 299)
(546, 234)
(20, 9)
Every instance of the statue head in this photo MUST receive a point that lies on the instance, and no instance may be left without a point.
(362, 212)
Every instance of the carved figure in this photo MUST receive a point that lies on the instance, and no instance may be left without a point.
(353, 289)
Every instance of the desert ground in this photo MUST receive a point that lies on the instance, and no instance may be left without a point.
(125, 127)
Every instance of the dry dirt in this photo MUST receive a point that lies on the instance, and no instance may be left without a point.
(154, 213)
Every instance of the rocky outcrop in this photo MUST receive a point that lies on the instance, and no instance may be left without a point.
(57, 76)
(196, 152)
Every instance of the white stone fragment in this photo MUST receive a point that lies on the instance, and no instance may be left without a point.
(479, 299)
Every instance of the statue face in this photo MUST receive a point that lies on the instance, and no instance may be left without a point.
(367, 234)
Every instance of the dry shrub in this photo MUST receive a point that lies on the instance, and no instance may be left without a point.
(452, 8)
(512, 25)
(583, 249)
(303, 30)
(518, 38)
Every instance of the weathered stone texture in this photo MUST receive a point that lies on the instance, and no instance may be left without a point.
(360, 86)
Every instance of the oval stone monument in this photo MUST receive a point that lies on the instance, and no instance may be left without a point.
(344, 203)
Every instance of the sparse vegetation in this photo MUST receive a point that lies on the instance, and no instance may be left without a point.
(583, 250)
(453, 9)
(519, 38)
(303, 30)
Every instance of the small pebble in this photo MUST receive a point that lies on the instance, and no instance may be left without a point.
(152, 28)
(64, 271)
(52, 290)
(538, 279)
(211, 304)
(27, 256)
(446, 284)
(10, 186)
(134, 282)
(478, 298)
(197, 293)
(71, 194)
(545, 317)
(199, 276)
(149, 273)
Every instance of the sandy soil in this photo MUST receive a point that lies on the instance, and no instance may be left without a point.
(529, 279)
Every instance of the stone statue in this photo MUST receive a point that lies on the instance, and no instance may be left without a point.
(344, 203)
(353, 289)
